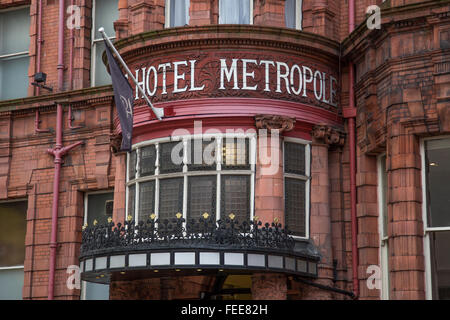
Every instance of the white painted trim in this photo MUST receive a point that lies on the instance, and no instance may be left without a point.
(383, 252)
(167, 14)
(299, 15)
(426, 240)
(14, 55)
(11, 268)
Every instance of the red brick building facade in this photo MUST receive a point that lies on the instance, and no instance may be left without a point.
(345, 131)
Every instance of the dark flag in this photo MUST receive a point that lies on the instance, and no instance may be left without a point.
(123, 96)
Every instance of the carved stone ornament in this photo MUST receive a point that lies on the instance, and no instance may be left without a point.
(115, 142)
(329, 135)
(273, 122)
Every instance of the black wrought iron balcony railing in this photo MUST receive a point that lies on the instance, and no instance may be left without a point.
(208, 232)
(197, 243)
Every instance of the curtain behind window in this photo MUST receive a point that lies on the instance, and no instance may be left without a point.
(234, 11)
(179, 13)
(289, 13)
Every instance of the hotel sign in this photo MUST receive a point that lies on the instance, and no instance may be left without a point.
(237, 74)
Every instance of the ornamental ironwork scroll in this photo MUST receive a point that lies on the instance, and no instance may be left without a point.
(177, 232)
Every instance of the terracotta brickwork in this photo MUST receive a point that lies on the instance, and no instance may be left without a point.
(401, 93)
(400, 96)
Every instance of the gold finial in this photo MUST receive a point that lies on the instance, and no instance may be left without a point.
(109, 219)
(205, 215)
(276, 220)
(84, 226)
(95, 222)
(129, 218)
(255, 218)
(178, 215)
(232, 216)
(153, 216)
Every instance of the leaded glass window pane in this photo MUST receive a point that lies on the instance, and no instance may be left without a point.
(170, 197)
(171, 157)
(294, 158)
(147, 161)
(146, 200)
(235, 154)
(235, 196)
(202, 154)
(295, 206)
(132, 165)
(201, 196)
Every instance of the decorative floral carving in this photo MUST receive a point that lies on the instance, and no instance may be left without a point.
(329, 135)
(273, 122)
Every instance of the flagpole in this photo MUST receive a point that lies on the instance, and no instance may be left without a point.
(159, 112)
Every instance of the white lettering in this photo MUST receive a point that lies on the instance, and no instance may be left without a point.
(164, 66)
(177, 76)
(300, 81)
(266, 64)
(228, 73)
(284, 76)
(246, 74)
(193, 88)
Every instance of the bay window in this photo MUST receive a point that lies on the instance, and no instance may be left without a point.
(235, 11)
(436, 182)
(177, 13)
(104, 13)
(296, 157)
(212, 174)
(14, 59)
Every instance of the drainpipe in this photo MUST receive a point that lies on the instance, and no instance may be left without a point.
(72, 39)
(58, 152)
(350, 114)
(39, 43)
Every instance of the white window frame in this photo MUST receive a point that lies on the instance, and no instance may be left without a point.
(427, 230)
(251, 4)
(167, 21)
(306, 178)
(185, 173)
(85, 217)
(16, 54)
(94, 46)
(384, 240)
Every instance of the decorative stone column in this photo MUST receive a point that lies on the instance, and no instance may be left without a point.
(269, 195)
(269, 286)
(320, 217)
(269, 167)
